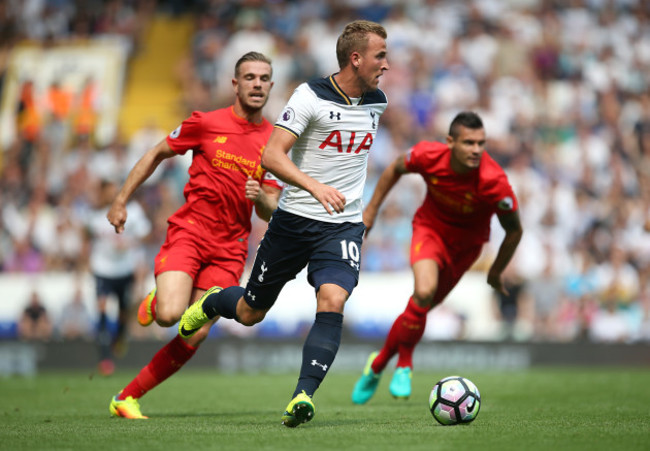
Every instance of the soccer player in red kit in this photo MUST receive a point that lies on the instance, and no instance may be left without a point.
(207, 237)
(465, 187)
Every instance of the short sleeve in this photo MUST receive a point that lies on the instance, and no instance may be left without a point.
(270, 180)
(415, 157)
(504, 197)
(299, 111)
(499, 193)
(187, 135)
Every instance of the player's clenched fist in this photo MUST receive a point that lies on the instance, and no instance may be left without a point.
(117, 216)
(253, 189)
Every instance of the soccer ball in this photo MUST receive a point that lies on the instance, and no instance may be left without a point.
(454, 400)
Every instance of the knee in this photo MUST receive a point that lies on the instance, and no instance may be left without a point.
(423, 296)
(167, 315)
(331, 305)
(250, 317)
(332, 301)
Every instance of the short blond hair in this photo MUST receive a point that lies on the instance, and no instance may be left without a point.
(355, 39)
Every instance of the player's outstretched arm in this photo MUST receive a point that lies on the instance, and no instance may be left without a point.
(265, 198)
(386, 181)
(139, 173)
(512, 226)
(276, 161)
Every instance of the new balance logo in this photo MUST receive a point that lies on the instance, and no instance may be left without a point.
(335, 115)
(315, 363)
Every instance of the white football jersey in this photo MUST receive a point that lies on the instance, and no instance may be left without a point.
(334, 134)
(116, 255)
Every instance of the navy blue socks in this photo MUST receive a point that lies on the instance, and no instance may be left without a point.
(223, 303)
(319, 351)
(320, 347)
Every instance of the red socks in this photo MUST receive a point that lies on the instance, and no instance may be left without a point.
(166, 362)
(404, 335)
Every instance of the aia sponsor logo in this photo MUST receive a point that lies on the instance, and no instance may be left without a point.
(349, 144)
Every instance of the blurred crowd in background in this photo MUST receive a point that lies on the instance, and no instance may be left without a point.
(563, 88)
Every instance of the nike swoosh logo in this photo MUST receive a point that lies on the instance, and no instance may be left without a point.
(186, 332)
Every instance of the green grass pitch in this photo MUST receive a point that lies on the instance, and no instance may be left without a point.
(537, 409)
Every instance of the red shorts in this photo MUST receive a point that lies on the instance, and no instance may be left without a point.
(208, 264)
(453, 259)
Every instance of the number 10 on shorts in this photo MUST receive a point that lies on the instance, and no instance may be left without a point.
(350, 251)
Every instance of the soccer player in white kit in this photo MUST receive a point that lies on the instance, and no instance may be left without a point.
(329, 126)
(113, 263)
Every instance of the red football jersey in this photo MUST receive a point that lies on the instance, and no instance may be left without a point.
(226, 150)
(459, 206)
